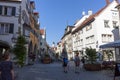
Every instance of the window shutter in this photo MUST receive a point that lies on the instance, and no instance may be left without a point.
(11, 29)
(0, 10)
(5, 12)
(13, 11)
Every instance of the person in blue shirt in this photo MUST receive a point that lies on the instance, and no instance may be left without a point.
(65, 59)
(65, 62)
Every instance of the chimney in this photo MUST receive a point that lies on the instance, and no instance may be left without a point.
(90, 12)
(83, 13)
(107, 2)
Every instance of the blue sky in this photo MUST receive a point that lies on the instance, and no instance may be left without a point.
(56, 14)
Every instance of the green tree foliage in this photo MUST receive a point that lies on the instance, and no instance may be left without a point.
(20, 50)
(91, 55)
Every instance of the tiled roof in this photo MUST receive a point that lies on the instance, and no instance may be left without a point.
(67, 32)
(42, 31)
(36, 13)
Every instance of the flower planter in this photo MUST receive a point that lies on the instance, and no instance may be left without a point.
(92, 67)
(47, 60)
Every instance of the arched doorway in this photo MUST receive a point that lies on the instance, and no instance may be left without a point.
(4, 46)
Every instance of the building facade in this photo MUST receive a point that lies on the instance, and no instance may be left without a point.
(67, 41)
(18, 18)
(97, 29)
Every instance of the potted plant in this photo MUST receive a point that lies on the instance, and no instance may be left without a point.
(91, 64)
(46, 58)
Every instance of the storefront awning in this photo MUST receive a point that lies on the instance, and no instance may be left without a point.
(111, 44)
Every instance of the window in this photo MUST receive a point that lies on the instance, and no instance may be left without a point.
(90, 39)
(89, 27)
(81, 31)
(115, 24)
(41, 43)
(6, 28)
(7, 10)
(106, 37)
(0, 10)
(106, 23)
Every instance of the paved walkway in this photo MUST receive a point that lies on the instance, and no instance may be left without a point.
(54, 71)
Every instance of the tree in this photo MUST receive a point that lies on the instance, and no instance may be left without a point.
(91, 55)
(109, 54)
(20, 50)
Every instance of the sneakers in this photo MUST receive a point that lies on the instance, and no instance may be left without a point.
(65, 71)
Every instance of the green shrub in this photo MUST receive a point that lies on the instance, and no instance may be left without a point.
(91, 55)
(20, 50)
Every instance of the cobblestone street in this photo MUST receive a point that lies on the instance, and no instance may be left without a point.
(54, 71)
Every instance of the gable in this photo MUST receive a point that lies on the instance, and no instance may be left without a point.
(91, 18)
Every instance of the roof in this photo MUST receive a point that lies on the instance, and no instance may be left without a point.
(67, 32)
(90, 19)
(36, 13)
(42, 31)
(11, 0)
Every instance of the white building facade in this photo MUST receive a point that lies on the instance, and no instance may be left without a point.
(9, 15)
(15, 20)
(67, 41)
(97, 29)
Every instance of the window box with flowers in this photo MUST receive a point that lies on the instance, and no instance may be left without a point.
(47, 59)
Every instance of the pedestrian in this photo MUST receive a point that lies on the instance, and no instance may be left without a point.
(65, 59)
(71, 65)
(83, 62)
(77, 63)
(65, 62)
(6, 68)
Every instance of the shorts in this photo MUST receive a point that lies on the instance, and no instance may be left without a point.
(64, 64)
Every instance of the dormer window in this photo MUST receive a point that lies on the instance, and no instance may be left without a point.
(115, 24)
(88, 27)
